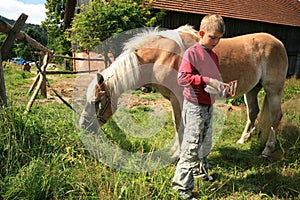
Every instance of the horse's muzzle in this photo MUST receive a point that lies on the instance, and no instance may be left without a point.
(88, 124)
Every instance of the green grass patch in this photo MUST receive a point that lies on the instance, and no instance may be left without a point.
(43, 155)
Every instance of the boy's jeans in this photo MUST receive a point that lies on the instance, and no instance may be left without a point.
(196, 144)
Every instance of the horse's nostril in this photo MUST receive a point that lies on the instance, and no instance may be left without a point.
(89, 125)
(94, 102)
(83, 122)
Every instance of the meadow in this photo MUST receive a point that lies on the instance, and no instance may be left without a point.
(43, 155)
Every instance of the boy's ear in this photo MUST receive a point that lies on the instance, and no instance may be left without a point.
(201, 33)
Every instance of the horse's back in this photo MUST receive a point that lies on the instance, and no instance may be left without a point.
(256, 46)
(252, 58)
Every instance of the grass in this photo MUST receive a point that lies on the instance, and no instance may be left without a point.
(43, 155)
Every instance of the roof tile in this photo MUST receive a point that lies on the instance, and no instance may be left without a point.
(285, 12)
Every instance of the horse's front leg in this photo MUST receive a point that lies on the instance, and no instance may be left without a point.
(252, 112)
(176, 105)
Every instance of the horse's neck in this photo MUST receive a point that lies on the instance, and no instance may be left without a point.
(123, 75)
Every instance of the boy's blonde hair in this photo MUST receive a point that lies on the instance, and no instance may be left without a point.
(212, 22)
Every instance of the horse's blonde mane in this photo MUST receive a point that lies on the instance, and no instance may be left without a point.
(124, 73)
(188, 29)
(137, 41)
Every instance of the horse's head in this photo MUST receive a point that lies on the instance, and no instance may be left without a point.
(98, 105)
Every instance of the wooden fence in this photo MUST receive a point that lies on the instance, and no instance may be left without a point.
(45, 54)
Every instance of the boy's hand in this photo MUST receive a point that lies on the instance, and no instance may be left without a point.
(216, 84)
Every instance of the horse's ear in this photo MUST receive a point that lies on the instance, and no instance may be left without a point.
(100, 78)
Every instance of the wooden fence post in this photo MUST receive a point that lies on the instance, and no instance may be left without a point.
(13, 32)
(35, 93)
(34, 84)
(3, 100)
(43, 75)
(39, 84)
(6, 28)
(6, 46)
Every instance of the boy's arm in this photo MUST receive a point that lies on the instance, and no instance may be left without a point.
(189, 76)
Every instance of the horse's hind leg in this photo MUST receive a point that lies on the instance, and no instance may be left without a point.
(273, 99)
(252, 111)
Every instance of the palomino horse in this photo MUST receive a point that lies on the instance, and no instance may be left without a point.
(256, 60)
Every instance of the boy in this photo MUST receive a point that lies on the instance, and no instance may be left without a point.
(199, 69)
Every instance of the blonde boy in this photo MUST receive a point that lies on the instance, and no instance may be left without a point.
(199, 68)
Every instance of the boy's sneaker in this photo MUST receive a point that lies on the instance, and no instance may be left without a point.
(186, 195)
(202, 171)
(208, 178)
(204, 177)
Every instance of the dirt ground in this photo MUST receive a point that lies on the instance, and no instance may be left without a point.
(66, 88)
(63, 86)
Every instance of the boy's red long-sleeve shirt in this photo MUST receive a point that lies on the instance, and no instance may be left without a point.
(197, 66)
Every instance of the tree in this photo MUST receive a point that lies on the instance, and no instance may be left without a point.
(101, 20)
(57, 40)
(21, 47)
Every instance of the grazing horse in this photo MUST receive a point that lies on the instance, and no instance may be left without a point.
(153, 57)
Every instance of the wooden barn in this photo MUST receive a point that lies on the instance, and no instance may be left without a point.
(280, 18)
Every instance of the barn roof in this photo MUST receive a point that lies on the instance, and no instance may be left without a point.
(284, 12)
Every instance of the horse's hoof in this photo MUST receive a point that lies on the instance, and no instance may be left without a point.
(264, 155)
(240, 141)
(267, 152)
(175, 156)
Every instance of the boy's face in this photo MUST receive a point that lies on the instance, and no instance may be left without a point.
(210, 39)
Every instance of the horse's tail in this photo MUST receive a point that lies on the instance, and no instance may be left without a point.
(263, 123)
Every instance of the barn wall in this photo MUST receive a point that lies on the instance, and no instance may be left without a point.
(287, 34)
(85, 65)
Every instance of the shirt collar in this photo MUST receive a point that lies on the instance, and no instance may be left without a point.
(205, 47)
